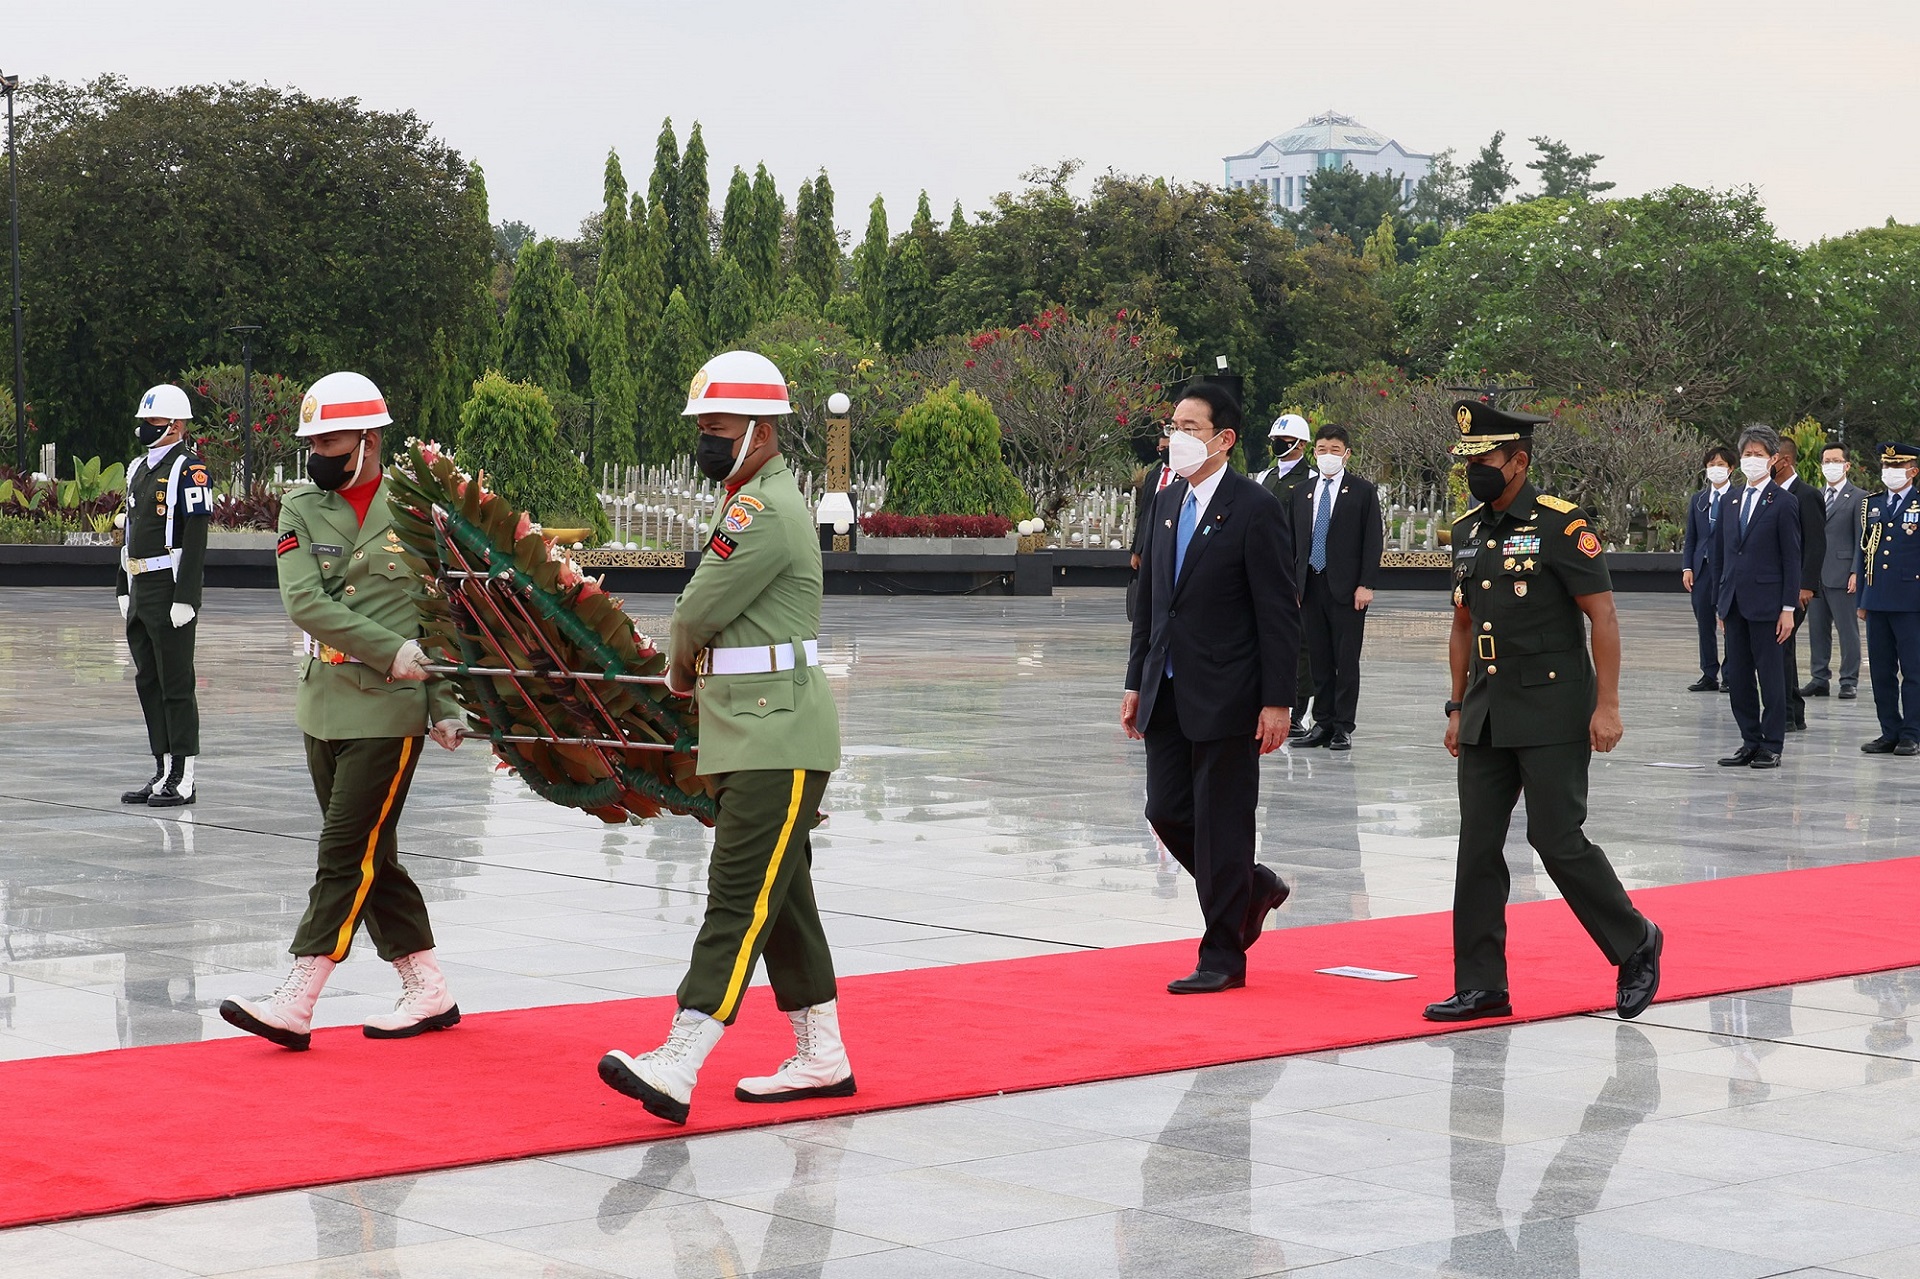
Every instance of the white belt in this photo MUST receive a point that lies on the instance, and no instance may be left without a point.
(326, 653)
(760, 659)
(152, 564)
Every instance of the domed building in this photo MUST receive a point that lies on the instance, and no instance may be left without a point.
(1282, 166)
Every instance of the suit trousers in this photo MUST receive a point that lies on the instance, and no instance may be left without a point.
(362, 783)
(163, 666)
(1893, 653)
(1790, 664)
(1200, 802)
(1835, 609)
(1554, 781)
(1705, 586)
(1334, 633)
(760, 896)
(1756, 672)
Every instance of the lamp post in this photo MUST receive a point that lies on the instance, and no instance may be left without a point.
(8, 83)
(246, 332)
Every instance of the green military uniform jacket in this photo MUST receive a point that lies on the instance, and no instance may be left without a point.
(348, 586)
(759, 583)
(147, 503)
(1517, 573)
(1282, 486)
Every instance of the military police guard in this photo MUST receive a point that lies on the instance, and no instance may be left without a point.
(1886, 567)
(364, 705)
(168, 503)
(1528, 710)
(745, 644)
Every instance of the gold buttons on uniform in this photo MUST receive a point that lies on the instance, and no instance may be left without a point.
(1486, 626)
(349, 590)
(1491, 543)
(703, 683)
(1493, 670)
(326, 564)
(1485, 585)
(763, 701)
(359, 555)
(391, 564)
(1553, 674)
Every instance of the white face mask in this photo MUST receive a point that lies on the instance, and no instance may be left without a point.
(1330, 464)
(1834, 471)
(1894, 477)
(1755, 468)
(1717, 475)
(1187, 453)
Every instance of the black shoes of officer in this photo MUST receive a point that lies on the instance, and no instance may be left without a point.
(1470, 1005)
(1740, 758)
(1796, 726)
(145, 793)
(1846, 693)
(1640, 975)
(1704, 685)
(177, 789)
(1265, 901)
(1340, 741)
(1763, 759)
(1298, 729)
(1202, 982)
(1907, 746)
(1813, 688)
(1319, 736)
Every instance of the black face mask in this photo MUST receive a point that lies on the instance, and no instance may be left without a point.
(1485, 482)
(149, 433)
(717, 456)
(332, 473)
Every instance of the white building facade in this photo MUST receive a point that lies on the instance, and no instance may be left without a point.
(1282, 167)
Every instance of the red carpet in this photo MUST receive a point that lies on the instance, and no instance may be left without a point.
(108, 1131)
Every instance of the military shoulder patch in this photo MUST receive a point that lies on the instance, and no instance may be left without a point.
(738, 518)
(1589, 544)
(197, 474)
(289, 541)
(1569, 529)
(723, 546)
(1553, 503)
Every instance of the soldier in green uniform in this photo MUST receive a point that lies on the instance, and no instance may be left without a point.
(169, 500)
(365, 705)
(745, 643)
(1528, 710)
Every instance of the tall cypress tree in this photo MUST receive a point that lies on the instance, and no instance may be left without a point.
(761, 258)
(610, 355)
(650, 246)
(692, 250)
(907, 309)
(869, 270)
(922, 228)
(663, 189)
(816, 245)
(958, 222)
(732, 311)
(736, 216)
(672, 358)
(537, 333)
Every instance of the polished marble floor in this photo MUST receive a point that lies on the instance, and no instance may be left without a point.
(989, 807)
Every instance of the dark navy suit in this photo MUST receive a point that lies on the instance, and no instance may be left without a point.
(1700, 554)
(1759, 580)
(1890, 593)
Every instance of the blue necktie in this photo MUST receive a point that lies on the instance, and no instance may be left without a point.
(1322, 516)
(1713, 512)
(1746, 509)
(1182, 534)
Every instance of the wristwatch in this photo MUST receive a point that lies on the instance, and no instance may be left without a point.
(1452, 707)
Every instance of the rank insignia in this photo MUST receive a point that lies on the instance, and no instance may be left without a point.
(289, 541)
(722, 545)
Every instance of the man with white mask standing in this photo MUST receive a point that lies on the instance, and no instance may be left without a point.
(1835, 603)
(1887, 568)
(1759, 593)
(1210, 676)
(1337, 537)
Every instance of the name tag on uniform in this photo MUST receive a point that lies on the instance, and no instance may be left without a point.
(1522, 545)
(322, 549)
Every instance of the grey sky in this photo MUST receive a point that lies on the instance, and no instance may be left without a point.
(1812, 104)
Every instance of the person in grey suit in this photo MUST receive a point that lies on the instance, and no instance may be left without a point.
(1834, 603)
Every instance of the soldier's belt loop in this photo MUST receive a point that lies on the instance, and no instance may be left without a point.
(1486, 648)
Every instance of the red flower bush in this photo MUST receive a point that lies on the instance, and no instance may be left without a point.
(881, 524)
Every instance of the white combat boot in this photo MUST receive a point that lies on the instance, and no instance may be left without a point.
(818, 1067)
(285, 1016)
(424, 1003)
(663, 1079)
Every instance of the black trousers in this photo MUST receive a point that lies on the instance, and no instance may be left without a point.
(1756, 672)
(163, 667)
(1790, 661)
(1893, 655)
(1705, 585)
(1334, 632)
(1554, 780)
(1200, 801)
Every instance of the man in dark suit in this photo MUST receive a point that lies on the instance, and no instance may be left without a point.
(1759, 594)
(1337, 534)
(1210, 675)
(1813, 550)
(1700, 562)
(1289, 438)
(1833, 607)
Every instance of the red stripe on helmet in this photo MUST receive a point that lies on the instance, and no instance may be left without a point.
(745, 391)
(360, 408)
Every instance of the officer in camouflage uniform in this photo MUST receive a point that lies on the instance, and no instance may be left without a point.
(745, 644)
(169, 501)
(364, 705)
(1528, 710)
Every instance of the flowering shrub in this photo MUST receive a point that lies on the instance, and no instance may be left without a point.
(885, 525)
(216, 435)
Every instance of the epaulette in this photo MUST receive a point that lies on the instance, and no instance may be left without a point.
(1469, 512)
(1553, 503)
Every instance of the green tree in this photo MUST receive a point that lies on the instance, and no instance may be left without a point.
(539, 322)
(673, 357)
(732, 311)
(946, 460)
(507, 429)
(467, 345)
(1338, 318)
(907, 298)
(816, 242)
(610, 353)
(958, 221)
(647, 276)
(1345, 202)
(1564, 175)
(663, 191)
(692, 247)
(1489, 177)
(1868, 287)
(869, 270)
(760, 257)
(1442, 197)
(736, 217)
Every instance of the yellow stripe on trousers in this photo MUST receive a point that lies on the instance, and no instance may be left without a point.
(743, 962)
(345, 938)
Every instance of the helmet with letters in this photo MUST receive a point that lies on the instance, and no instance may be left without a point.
(342, 402)
(167, 401)
(738, 382)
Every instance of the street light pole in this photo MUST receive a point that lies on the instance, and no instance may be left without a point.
(246, 332)
(8, 83)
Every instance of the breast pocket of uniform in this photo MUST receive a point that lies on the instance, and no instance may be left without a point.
(757, 695)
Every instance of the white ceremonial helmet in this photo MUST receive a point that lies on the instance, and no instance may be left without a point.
(1290, 426)
(738, 382)
(342, 402)
(167, 401)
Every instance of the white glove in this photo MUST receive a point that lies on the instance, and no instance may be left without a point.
(448, 733)
(410, 662)
(181, 615)
(126, 603)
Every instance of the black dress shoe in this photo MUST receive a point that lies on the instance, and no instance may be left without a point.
(1320, 736)
(1640, 975)
(1879, 746)
(1202, 982)
(1740, 758)
(1341, 741)
(1907, 746)
(1796, 726)
(1298, 729)
(1811, 689)
(1470, 1005)
(1265, 902)
(1764, 759)
(145, 793)
(1704, 685)
(1847, 694)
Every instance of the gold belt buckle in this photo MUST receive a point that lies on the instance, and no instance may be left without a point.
(1486, 648)
(332, 656)
(704, 666)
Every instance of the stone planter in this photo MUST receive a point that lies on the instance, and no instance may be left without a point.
(241, 539)
(1007, 545)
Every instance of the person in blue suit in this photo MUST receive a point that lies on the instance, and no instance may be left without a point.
(1700, 562)
(1759, 591)
(1887, 569)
